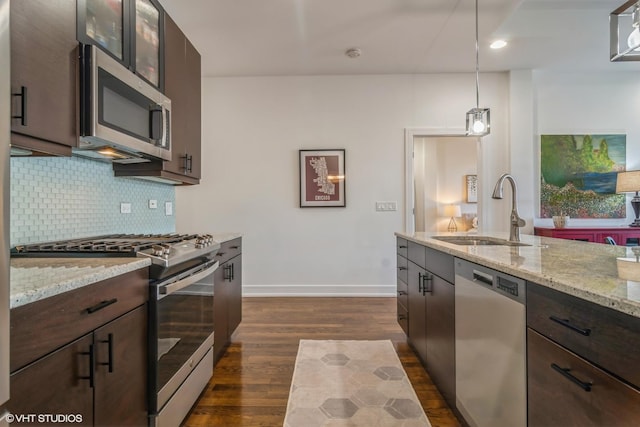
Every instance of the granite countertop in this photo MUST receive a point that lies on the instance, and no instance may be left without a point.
(603, 274)
(33, 279)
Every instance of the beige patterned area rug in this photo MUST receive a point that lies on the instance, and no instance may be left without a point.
(351, 383)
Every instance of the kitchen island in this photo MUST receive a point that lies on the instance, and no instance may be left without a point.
(589, 271)
(573, 346)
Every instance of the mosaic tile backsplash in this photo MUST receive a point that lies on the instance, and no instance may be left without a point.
(60, 197)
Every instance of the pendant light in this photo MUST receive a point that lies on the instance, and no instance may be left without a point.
(624, 32)
(478, 119)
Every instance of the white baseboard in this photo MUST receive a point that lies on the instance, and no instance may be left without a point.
(319, 290)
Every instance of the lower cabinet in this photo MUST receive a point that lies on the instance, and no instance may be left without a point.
(431, 314)
(582, 362)
(99, 377)
(227, 299)
(566, 390)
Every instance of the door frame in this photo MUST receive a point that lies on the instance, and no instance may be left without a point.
(409, 134)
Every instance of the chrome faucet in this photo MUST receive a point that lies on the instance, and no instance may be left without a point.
(516, 221)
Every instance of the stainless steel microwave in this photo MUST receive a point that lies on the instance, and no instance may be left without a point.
(123, 119)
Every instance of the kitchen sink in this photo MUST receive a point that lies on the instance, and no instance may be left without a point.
(478, 241)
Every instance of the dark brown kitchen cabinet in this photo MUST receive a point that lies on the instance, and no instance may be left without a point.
(430, 311)
(402, 287)
(183, 87)
(83, 352)
(566, 390)
(582, 362)
(44, 63)
(227, 299)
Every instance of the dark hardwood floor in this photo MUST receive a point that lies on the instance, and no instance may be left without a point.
(250, 384)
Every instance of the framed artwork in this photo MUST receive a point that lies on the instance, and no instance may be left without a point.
(322, 178)
(578, 174)
(472, 188)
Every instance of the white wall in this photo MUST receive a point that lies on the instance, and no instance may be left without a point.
(583, 103)
(253, 128)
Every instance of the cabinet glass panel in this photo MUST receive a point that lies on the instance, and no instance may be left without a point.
(104, 24)
(148, 41)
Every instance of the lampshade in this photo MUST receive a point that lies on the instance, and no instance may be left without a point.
(624, 32)
(628, 182)
(452, 211)
(478, 119)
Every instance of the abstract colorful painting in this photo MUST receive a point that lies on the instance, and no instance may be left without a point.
(578, 175)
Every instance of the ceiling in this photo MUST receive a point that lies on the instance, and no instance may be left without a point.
(310, 37)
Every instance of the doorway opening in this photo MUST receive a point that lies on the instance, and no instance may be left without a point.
(441, 170)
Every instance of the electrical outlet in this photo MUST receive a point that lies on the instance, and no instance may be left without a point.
(168, 208)
(125, 208)
(153, 204)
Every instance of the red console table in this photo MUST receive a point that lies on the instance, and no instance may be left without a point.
(629, 236)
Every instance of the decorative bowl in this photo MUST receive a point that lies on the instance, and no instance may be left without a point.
(560, 221)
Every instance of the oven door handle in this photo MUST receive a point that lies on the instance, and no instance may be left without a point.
(187, 281)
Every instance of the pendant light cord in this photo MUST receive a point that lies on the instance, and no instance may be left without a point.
(477, 63)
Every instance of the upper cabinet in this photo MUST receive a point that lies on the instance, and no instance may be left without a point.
(44, 63)
(131, 31)
(183, 87)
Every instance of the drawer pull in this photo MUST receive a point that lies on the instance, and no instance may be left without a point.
(403, 246)
(427, 278)
(565, 373)
(567, 324)
(234, 247)
(101, 305)
(402, 293)
(402, 316)
(402, 268)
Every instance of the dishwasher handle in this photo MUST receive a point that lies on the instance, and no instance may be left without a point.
(479, 276)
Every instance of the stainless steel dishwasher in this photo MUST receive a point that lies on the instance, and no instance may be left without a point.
(490, 335)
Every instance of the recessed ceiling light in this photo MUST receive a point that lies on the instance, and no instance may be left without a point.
(498, 44)
(354, 52)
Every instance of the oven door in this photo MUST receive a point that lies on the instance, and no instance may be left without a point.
(181, 329)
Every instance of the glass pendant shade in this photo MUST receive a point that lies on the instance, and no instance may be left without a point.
(624, 32)
(478, 122)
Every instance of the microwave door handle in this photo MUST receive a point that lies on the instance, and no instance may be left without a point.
(187, 281)
(166, 122)
(155, 123)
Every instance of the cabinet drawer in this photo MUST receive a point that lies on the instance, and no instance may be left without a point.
(401, 247)
(440, 264)
(403, 271)
(603, 336)
(229, 249)
(64, 317)
(417, 254)
(403, 318)
(566, 390)
(403, 294)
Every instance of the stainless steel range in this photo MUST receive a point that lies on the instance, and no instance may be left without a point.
(180, 310)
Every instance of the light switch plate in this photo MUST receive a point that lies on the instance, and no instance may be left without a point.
(386, 206)
(125, 208)
(168, 208)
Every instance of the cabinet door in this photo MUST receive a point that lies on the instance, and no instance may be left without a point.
(121, 370)
(56, 384)
(182, 86)
(43, 75)
(235, 296)
(441, 340)
(417, 312)
(566, 390)
(220, 311)
(147, 49)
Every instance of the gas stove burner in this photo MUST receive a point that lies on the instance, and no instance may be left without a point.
(161, 249)
(204, 240)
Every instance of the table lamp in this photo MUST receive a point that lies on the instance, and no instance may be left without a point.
(453, 211)
(629, 182)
